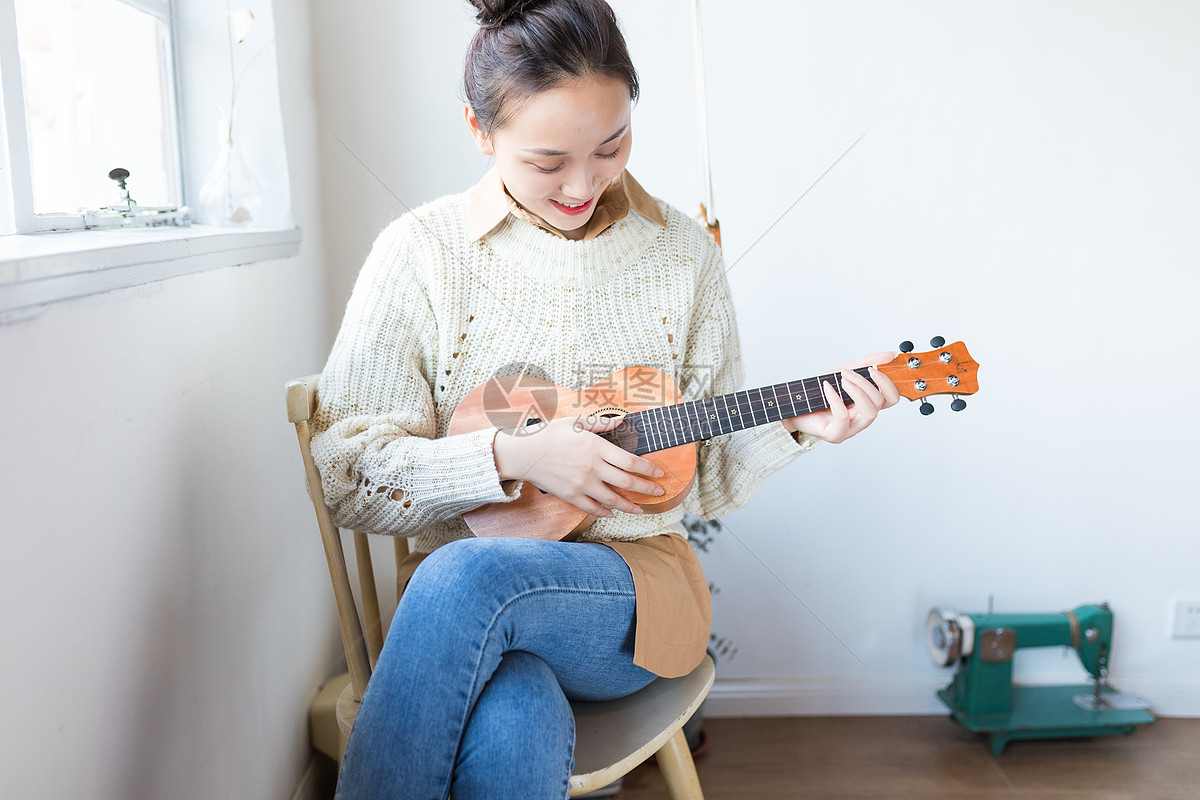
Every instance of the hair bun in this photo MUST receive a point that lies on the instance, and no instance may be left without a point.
(494, 13)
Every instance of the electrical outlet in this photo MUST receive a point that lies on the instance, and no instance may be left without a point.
(1187, 620)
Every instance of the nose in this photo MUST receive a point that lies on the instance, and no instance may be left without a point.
(579, 182)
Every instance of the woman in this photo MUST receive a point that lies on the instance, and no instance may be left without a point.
(557, 264)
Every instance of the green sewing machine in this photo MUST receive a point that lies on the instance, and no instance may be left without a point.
(983, 698)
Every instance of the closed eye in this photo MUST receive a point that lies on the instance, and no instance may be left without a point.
(613, 154)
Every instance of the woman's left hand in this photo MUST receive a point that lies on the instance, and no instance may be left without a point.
(840, 421)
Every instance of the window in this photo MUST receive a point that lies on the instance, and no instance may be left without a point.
(45, 255)
(92, 123)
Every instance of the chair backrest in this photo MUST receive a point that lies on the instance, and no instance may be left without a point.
(361, 648)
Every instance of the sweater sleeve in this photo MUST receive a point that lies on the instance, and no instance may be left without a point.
(732, 467)
(376, 418)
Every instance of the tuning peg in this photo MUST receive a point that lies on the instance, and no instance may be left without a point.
(958, 405)
(926, 408)
(906, 347)
(937, 341)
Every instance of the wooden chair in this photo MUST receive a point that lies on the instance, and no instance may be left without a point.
(611, 738)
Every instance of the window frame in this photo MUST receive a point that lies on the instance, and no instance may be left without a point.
(18, 189)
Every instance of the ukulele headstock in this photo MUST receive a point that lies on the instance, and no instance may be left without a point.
(946, 369)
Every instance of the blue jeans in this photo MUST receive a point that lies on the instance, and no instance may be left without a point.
(470, 693)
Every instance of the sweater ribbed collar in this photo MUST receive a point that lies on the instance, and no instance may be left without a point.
(541, 257)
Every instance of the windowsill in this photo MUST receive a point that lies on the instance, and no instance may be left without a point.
(43, 268)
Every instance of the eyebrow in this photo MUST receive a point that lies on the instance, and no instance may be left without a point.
(544, 152)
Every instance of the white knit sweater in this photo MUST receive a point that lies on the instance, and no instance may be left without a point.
(434, 315)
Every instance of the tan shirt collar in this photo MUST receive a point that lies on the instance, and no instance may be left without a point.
(489, 204)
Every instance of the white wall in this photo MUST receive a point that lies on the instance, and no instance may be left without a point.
(167, 612)
(1027, 184)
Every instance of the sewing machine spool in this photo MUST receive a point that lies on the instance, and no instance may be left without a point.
(982, 696)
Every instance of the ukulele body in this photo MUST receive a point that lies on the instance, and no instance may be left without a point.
(522, 405)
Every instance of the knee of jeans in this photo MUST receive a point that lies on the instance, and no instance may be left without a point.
(523, 698)
(535, 681)
(521, 736)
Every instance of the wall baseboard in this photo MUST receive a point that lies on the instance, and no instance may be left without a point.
(317, 781)
(784, 697)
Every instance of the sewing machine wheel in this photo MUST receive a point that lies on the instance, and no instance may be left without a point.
(943, 636)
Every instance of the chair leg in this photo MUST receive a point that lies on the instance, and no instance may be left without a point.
(678, 769)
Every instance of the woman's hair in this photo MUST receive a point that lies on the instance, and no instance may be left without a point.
(526, 46)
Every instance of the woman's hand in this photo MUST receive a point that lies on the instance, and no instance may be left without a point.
(566, 458)
(839, 422)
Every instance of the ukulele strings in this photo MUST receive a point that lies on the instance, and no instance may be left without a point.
(693, 415)
(696, 415)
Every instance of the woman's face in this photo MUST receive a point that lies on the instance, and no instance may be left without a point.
(562, 148)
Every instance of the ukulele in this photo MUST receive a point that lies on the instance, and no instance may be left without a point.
(659, 425)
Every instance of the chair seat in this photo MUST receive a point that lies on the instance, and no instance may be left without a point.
(615, 736)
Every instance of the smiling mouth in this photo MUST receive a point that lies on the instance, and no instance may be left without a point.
(572, 209)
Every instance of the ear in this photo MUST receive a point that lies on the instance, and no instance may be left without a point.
(481, 139)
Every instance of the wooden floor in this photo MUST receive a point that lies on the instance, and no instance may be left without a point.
(930, 758)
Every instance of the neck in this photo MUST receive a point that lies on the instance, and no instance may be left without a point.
(574, 235)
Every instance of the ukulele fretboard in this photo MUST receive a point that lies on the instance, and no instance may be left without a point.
(697, 420)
